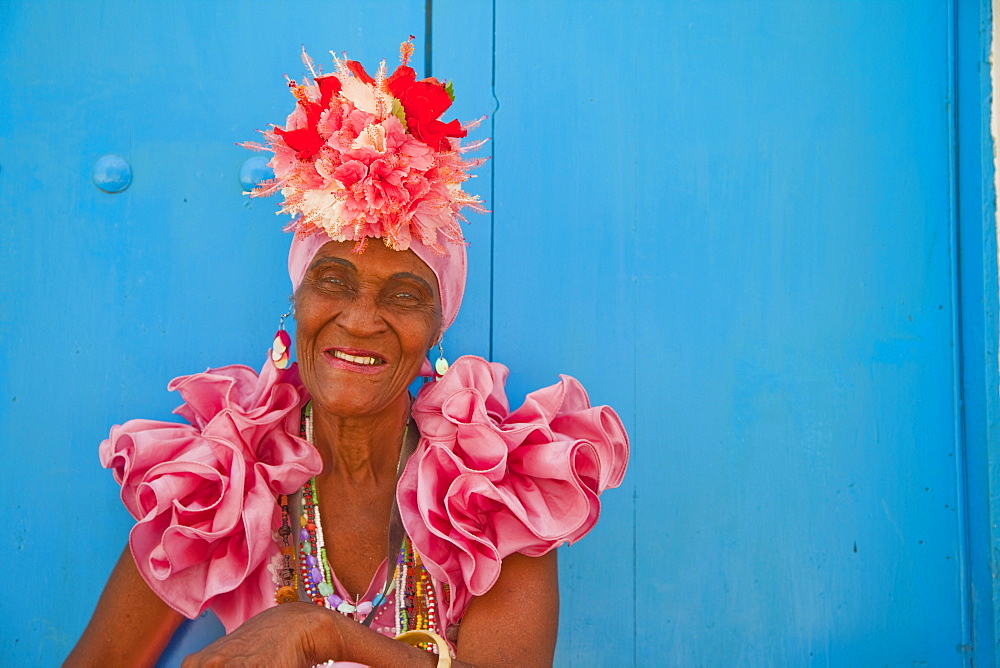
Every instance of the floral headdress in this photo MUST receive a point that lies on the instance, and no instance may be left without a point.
(364, 156)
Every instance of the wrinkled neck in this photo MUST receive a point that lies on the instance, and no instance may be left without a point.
(361, 449)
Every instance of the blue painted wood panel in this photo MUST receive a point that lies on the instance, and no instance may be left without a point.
(105, 298)
(737, 221)
(761, 230)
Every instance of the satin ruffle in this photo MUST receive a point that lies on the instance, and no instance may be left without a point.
(485, 483)
(204, 493)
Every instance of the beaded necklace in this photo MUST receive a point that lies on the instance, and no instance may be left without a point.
(415, 600)
(317, 576)
(286, 576)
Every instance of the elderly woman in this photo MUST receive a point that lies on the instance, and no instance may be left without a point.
(319, 509)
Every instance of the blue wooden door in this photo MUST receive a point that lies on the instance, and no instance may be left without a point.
(763, 231)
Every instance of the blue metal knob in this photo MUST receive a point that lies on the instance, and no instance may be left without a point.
(112, 173)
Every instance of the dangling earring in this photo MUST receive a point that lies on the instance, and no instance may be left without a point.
(280, 352)
(441, 366)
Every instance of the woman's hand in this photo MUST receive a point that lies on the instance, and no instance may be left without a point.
(291, 635)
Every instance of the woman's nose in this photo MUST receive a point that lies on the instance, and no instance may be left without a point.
(361, 317)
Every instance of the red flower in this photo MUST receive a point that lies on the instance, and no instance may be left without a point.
(306, 141)
(423, 102)
(435, 133)
(400, 80)
(329, 86)
(358, 70)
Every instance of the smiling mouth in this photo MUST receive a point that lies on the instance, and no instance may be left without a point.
(363, 360)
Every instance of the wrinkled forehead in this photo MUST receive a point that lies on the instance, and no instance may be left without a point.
(450, 269)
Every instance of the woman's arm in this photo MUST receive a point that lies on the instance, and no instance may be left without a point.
(514, 624)
(130, 626)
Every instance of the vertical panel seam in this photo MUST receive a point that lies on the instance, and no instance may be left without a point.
(632, 277)
(428, 38)
(493, 153)
(958, 402)
(977, 320)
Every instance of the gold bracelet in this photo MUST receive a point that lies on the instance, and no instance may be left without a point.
(416, 637)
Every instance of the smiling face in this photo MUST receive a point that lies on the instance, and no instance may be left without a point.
(365, 322)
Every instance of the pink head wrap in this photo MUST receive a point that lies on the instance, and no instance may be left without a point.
(450, 269)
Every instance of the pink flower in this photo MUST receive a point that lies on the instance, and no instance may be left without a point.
(350, 172)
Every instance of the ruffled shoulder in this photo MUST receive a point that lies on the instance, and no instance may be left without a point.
(485, 482)
(204, 493)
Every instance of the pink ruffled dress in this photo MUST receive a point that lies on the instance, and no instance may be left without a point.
(483, 483)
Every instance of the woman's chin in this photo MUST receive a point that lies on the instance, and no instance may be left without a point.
(346, 393)
(344, 405)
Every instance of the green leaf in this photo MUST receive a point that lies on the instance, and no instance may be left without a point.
(398, 112)
(450, 89)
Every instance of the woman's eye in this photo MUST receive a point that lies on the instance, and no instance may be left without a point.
(405, 298)
(333, 280)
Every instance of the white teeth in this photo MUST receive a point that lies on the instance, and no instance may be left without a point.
(367, 361)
